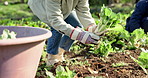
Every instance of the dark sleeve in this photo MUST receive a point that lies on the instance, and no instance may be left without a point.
(137, 16)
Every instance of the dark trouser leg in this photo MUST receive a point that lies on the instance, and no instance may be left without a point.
(145, 24)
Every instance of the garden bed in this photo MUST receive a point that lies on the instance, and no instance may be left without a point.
(116, 65)
(103, 66)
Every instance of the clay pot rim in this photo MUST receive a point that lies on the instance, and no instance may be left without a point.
(25, 40)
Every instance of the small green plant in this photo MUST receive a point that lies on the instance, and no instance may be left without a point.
(61, 72)
(134, 39)
(120, 64)
(49, 74)
(103, 48)
(109, 19)
(142, 60)
(76, 48)
(64, 73)
(24, 22)
(6, 34)
(74, 62)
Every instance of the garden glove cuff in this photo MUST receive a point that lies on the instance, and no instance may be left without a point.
(91, 28)
(84, 36)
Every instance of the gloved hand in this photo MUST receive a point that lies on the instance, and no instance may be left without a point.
(84, 36)
(98, 30)
(91, 28)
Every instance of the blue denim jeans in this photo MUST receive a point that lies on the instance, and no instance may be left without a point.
(59, 40)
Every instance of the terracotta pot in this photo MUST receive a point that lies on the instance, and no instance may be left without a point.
(19, 58)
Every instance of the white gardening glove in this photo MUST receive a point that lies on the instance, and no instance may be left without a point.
(98, 30)
(84, 36)
(91, 28)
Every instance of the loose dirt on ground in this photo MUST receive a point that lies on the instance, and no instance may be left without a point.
(103, 67)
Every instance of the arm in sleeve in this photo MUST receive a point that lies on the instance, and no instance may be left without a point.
(55, 17)
(83, 12)
(137, 16)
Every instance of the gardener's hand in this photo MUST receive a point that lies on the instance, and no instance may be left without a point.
(98, 30)
(91, 28)
(84, 36)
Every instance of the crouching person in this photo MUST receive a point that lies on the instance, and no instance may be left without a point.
(139, 18)
(67, 19)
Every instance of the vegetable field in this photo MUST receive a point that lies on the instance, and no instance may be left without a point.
(119, 54)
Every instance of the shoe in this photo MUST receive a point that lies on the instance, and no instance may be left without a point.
(52, 59)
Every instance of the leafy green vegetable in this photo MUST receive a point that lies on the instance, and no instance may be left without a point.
(104, 48)
(118, 28)
(108, 19)
(62, 72)
(49, 74)
(7, 35)
(143, 58)
(135, 39)
(142, 61)
(120, 64)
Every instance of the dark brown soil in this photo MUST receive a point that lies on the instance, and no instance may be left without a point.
(97, 66)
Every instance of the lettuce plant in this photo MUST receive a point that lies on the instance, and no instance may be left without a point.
(61, 72)
(103, 48)
(142, 60)
(109, 19)
(6, 34)
(134, 40)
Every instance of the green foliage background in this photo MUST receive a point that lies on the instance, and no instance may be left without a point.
(96, 2)
(92, 2)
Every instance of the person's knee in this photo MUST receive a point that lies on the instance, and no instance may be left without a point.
(145, 24)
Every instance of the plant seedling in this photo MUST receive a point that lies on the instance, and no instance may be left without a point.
(120, 64)
(142, 61)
